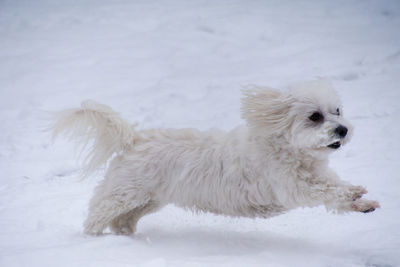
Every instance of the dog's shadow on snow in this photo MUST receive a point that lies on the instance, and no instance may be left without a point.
(197, 242)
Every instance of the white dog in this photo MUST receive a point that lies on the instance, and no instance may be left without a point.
(278, 163)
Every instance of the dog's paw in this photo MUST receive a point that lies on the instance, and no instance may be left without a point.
(92, 232)
(93, 228)
(356, 192)
(365, 206)
(120, 227)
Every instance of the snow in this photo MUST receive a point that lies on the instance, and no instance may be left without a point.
(182, 64)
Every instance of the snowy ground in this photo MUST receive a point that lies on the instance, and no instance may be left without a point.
(182, 64)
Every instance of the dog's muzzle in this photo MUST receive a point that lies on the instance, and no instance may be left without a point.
(341, 132)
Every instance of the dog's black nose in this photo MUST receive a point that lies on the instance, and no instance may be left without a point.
(341, 131)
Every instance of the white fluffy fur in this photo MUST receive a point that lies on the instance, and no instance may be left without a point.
(278, 163)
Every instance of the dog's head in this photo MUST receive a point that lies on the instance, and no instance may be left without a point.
(308, 116)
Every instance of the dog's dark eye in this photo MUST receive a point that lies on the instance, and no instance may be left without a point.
(316, 116)
(338, 111)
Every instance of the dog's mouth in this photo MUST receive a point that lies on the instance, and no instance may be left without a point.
(335, 145)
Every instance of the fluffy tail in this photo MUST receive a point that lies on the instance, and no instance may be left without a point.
(100, 129)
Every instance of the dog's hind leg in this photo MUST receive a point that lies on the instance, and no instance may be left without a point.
(125, 224)
(104, 209)
(115, 196)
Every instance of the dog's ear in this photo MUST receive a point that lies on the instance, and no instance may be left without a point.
(266, 109)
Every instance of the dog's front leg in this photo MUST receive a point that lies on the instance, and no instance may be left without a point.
(344, 197)
(328, 189)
